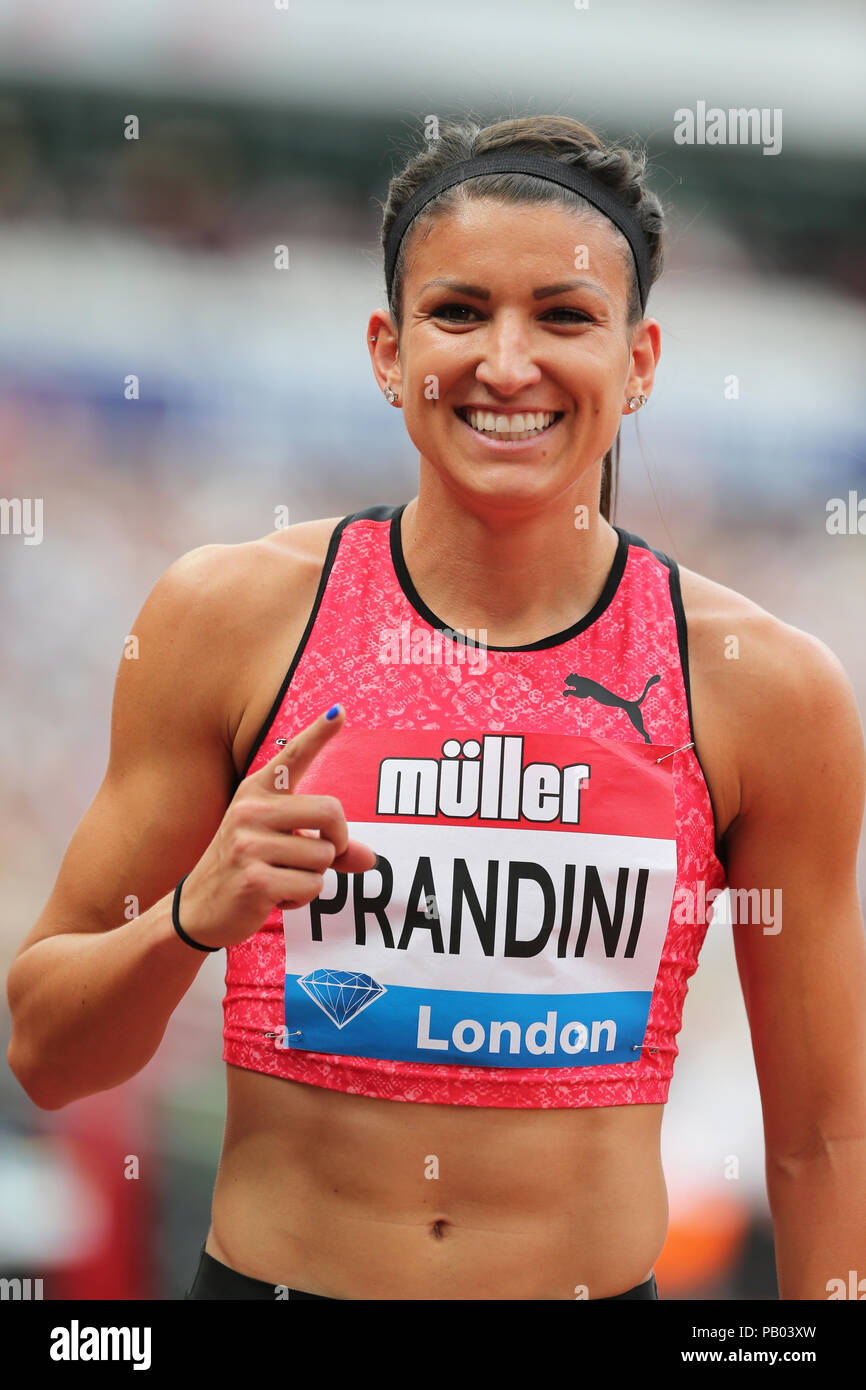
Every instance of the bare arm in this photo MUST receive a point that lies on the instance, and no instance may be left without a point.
(92, 987)
(805, 985)
(94, 984)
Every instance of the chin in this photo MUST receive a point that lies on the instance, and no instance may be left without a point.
(500, 490)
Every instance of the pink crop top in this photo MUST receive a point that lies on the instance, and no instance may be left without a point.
(547, 848)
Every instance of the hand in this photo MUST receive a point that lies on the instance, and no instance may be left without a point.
(272, 847)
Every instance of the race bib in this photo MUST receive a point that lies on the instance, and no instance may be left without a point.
(517, 914)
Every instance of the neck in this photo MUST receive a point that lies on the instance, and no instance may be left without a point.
(518, 575)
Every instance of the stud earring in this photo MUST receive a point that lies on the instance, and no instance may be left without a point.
(635, 402)
(390, 395)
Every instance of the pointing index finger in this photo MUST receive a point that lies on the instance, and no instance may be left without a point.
(299, 752)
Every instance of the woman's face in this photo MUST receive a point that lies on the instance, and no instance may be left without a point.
(496, 317)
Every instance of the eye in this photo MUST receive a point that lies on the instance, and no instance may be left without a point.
(578, 316)
(443, 312)
(449, 312)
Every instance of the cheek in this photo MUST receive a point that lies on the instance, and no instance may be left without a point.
(427, 390)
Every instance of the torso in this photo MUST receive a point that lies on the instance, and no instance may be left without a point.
(332, 1193)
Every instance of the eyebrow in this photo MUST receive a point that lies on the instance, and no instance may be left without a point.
(543, 292)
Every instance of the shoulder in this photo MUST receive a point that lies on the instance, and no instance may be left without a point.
(725, 628)
(236, 581)
(215, 628)
(783, 695)
(214, 568)
(206, 613)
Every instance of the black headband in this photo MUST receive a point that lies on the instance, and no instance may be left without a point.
(505, 162)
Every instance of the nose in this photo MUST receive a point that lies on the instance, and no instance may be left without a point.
(506, 365)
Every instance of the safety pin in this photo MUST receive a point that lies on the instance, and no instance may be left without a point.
(676, 750)
(282, 1033)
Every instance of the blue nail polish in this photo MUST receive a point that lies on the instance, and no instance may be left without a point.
(333, 712)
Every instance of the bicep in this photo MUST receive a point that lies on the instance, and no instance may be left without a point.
(170, 773)
(803, 975)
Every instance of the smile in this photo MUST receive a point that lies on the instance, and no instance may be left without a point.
(504, 430)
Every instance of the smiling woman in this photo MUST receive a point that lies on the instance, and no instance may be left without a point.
(449, 1042)
(536, 165)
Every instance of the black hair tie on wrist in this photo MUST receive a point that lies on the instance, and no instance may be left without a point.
(175, 921)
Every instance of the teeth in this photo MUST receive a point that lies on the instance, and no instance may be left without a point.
(510, 425)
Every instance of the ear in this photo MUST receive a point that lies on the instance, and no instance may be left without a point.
(383, 348)
(646, 346)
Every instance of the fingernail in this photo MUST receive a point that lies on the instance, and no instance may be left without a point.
(378, 862)
(333, 712)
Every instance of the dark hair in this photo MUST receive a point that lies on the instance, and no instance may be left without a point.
(622, 168)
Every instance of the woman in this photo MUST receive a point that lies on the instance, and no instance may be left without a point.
(448, 1059)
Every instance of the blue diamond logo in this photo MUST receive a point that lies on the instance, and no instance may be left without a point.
(341, 994)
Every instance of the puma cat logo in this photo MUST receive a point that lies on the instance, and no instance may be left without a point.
(585, 689)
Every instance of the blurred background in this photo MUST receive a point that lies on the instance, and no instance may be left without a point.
(267, 123)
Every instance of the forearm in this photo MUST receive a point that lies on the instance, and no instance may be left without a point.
(89, 1009)
(818, 1206)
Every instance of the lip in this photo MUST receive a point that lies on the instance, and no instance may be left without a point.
(512, 410)
(508, 446)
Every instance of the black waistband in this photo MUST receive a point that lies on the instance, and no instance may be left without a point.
(215, 1280)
